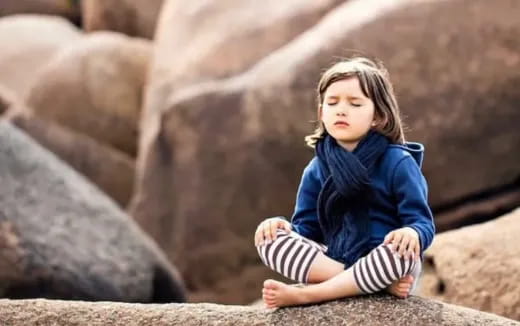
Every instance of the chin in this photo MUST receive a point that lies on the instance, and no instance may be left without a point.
(342, 138)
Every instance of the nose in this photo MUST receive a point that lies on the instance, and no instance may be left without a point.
(342, 111)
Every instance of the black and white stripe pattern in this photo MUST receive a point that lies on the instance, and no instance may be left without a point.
(290, 254)
(380, 268)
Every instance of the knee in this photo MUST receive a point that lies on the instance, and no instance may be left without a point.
(280, 234)
(269, 250)
(400, 266)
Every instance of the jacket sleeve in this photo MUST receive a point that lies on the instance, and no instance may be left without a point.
(305, 217)
(411, 191)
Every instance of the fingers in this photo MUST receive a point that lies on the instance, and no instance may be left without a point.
(266, 231)
(262, 233)
(282, 223)
(409, 248)
(403, 246)
(412, 249)
(406, 244)
(287, 226)
(389, 237)
(276, 224)
(398, 237)
(273, 226)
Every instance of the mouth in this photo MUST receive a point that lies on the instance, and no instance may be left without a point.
(341, 123)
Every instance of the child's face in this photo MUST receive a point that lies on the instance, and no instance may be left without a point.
(344, 101)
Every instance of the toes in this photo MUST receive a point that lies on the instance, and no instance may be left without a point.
(270, 304)
(403, 290)
(402, 294)
(271, 284)
(268, 291)
(405, 279)
(404, 285)
(268, 295)
(398, 294)
(268, 300)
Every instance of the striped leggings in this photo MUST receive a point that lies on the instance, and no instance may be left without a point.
(292, 256)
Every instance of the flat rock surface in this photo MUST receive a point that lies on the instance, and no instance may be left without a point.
(369, 310)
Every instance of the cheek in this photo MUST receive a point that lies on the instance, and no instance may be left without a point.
(362, 116)
(326, 116)
(368, 115)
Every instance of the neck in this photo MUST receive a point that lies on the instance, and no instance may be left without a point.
(349, 146)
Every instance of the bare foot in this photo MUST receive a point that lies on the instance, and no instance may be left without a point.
(278, 294)
(401, 287)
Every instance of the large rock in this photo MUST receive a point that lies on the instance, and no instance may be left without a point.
(28, 42)
(61, 238)
(95, 87)
(7, 99)
(477, 266)
(66, 8)
(219, 38)
(479, 209)
(225, 155)
(373, 311)
(111, 170)
(131, 17)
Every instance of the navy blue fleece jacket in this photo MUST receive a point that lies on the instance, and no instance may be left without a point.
(399, 197)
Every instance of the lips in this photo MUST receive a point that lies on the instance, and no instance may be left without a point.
(341, 123)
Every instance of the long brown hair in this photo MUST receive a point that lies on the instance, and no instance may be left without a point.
(375, 84)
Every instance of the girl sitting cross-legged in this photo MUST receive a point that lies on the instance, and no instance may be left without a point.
(361, 220)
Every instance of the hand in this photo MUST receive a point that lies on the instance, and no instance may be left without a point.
(406, 242)
(267, 229)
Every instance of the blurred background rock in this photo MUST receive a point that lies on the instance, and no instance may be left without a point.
(189, 118)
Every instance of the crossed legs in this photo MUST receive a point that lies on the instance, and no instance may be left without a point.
(303, 260)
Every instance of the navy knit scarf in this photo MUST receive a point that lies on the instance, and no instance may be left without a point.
(344, 199)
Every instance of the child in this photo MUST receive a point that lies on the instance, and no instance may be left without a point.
(361, 220)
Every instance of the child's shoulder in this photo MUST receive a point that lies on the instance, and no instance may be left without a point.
(312, 169)
(313, 163)
(395, 153)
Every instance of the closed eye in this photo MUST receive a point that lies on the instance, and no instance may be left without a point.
(334, 102)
